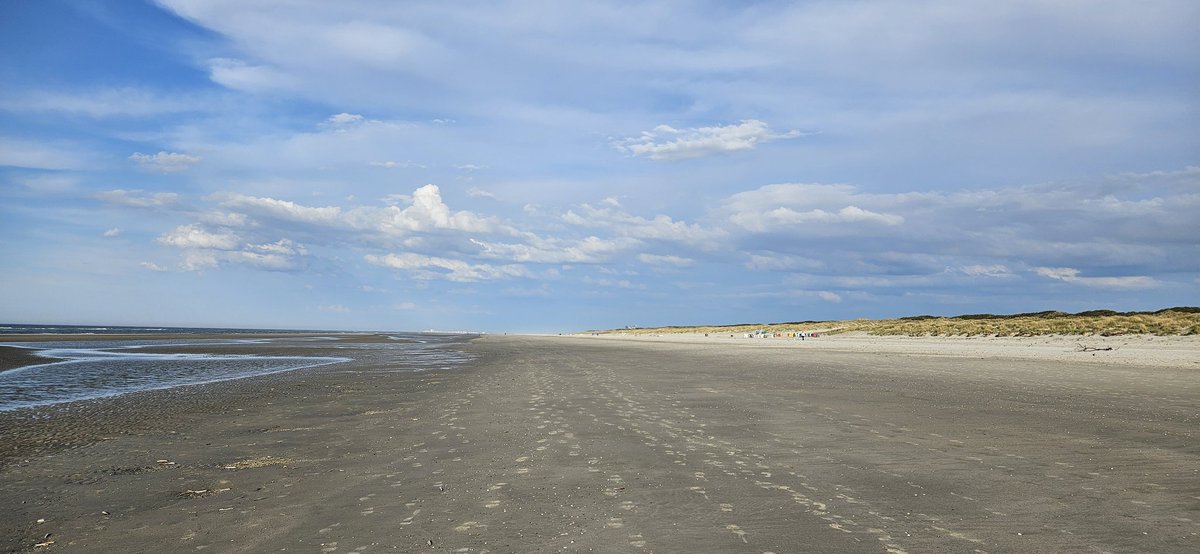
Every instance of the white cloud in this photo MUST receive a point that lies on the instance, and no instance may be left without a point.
(139, 198)
(343, 120)
(429, 211)
(205, 250)
(426, 212)
(404, 306)
(49, 184)
(165, 162)
(612, 283)
(993, 270)
(782, 262)
(432, 267)
(828, 296)
(23, 152)
(792, 293)
(476, 192)
(661, 227)
(282, 247)
(197, 260)
(194, 236)
(784, 216)
(393, 164)
(114, 232)
(668, 143)
(152, 266)
(239, 75)
(666, 260)
(282, 209)
(550, 251)
(818, 206)
(333, 309)
(224, 219)
(105, 102)
(1071, 275)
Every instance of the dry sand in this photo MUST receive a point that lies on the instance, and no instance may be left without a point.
(548, 444)
(1126, 350)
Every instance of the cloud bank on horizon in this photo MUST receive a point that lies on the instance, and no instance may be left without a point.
(537, 166)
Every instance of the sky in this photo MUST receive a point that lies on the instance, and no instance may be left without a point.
(554, 166)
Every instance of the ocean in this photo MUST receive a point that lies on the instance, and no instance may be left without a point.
(100, 367)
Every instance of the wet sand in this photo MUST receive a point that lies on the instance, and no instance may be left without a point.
(571, 444)
(12, 357)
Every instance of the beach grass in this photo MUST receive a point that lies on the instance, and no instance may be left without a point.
(1169, 321)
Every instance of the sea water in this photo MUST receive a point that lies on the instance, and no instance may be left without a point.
(83, 370)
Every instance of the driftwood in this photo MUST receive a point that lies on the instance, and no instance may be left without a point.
(1083, 348)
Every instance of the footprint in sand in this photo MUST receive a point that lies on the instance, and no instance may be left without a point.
(470, 526)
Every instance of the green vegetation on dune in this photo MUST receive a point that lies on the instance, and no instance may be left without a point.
(1183, 320)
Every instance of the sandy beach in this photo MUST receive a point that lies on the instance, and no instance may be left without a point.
(648, 444)
(1127, 350)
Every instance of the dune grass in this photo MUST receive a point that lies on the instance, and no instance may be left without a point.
(1169, 321)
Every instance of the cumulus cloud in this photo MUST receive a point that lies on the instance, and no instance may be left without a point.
(548, 251)
(151, 266)
(660, 227)
(776, 207)
(818, 235)
(195, 236)
(285, 210)
(668, 143)
(198, 260)
(1072, 275)
(429, 267)
(284, 247)
(204, 249)
(164, 162)
(427, 211)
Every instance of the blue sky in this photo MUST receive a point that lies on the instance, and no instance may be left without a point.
(549, 166)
